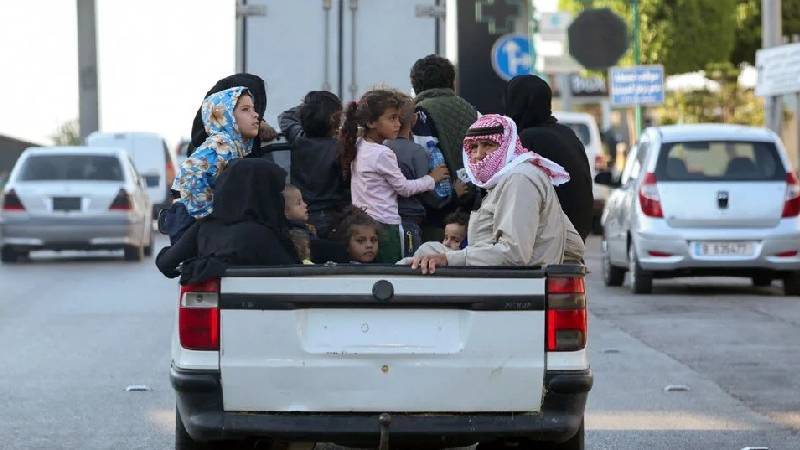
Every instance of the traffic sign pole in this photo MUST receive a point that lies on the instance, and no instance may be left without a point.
(636, 61)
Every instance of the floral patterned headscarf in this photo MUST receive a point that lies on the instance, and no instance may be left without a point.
(510, 153)
(197, 175)
(220, 124)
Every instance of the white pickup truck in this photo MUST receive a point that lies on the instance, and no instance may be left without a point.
(382, 357)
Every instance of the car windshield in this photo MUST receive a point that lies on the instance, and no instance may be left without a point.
(581, 130)
(71, 167)
(719, 161)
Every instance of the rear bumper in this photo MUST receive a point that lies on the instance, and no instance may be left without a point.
(199, 400)
(656, 236)
(69, 233)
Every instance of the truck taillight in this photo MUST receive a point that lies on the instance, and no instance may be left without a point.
(11, 202)
(648, 196)
(198, 316)
(122, 202)
(566, 314)
(791, 206)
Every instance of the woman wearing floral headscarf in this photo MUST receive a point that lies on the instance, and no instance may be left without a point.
(231, 123)
(520, 222)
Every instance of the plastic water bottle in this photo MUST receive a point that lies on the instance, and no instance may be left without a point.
(435, 159)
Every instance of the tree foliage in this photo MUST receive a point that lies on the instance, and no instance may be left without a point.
(748, 27)
(68, 134)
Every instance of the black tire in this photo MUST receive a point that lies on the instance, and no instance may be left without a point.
(612, 275)
(641, 281)
(791, 284)
(761, 280)
(148, 249)
(597, 226)
(7, 255)
(134, 252)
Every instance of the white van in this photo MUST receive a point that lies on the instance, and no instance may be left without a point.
(585, 127)
(151, 157)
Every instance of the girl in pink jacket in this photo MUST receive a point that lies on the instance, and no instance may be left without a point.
(371, 167)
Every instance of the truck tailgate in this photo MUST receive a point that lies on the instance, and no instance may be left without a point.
(471, 340)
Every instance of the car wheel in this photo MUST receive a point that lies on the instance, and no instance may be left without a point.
(134, 252)
(761, 280)
(597, 225)
(148, 249)
(612, 275)
(791, 284)
(641, 281)
(7, 255)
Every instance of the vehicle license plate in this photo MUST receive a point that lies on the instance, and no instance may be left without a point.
(67, 203)
(721, 248)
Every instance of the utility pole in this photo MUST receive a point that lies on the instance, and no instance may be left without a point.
(87, 68)
(771, 36)
(637, 59)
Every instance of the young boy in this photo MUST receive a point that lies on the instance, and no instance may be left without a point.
(296, 211)
(232, 122)
(455, 230)
(414, 163)
(311, 129)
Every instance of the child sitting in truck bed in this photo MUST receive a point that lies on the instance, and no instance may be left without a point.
(358, 232)
(455, 230)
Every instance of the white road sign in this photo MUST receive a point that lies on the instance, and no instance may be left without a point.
(778, 70)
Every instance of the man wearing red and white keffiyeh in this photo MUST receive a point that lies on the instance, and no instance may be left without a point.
(520, 221)
(502, 131)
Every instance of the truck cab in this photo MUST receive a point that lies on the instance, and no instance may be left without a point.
(380, 356)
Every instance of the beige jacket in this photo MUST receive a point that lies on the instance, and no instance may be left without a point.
(519, 223)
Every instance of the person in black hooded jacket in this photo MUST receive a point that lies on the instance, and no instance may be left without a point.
(255, 85)
(528, 103)
(247, 227)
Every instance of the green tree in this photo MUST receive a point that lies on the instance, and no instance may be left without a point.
(748, 27)
(67, 134)
(683, 35)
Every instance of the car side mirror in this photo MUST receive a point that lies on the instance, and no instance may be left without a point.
(607, 179)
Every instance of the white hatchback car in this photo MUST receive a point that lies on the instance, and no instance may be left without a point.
(704, 200)
(75, 198)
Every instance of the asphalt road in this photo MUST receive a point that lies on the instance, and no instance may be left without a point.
(77, 329)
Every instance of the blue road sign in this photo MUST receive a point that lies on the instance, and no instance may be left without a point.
(638, 85)
(512, 55)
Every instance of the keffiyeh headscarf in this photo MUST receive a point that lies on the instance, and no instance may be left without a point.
(510, 153)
